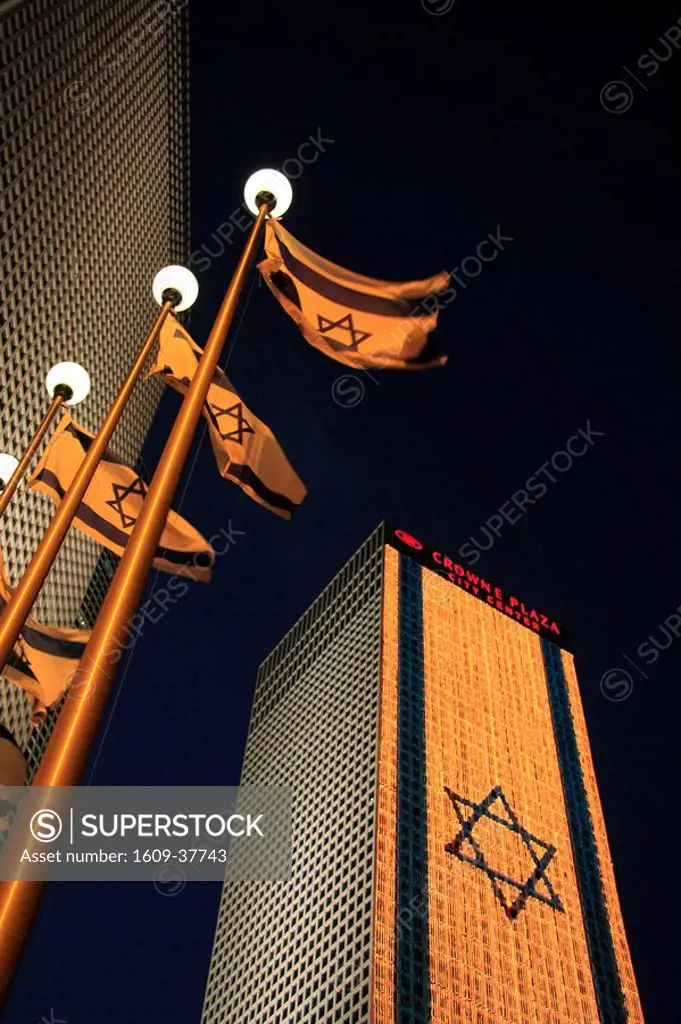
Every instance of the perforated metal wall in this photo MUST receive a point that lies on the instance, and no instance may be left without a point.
(94, 200)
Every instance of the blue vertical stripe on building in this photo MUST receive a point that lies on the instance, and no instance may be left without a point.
(609, 995)
(412, 961)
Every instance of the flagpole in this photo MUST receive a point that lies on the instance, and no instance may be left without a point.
(19, 899)
(25, 460)
(174, 287)
(69, 746)
(62, 394)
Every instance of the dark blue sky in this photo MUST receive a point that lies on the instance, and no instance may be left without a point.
(445, 128)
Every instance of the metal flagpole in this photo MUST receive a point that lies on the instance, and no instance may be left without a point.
(69, 746)
(25, 460)
(62, 394)
(179, 291)
(19, 899)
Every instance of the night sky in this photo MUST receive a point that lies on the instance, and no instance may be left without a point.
(446, 128)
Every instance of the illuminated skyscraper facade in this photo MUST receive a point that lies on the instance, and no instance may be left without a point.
(450, 860)
(94, 162)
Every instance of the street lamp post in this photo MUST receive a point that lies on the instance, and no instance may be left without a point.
(174, 288)
(69, 746)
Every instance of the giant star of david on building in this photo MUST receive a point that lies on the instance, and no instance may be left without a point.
(527, 889)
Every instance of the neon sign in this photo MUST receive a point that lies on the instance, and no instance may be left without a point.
(478, 586)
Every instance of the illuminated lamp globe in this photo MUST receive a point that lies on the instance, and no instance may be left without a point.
(176, 279)
(268, 181)
(73, 378)
(7, 466)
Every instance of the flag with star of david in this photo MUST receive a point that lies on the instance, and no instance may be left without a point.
(44, 658)
(356, 320)
(113, 502)
(246, 450)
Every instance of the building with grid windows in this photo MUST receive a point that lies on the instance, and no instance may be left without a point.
(94, 201)
(450, 860)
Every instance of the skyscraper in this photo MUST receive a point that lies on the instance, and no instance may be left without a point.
(450, 861)
(94, 201)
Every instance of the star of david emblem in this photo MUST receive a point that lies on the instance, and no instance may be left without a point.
(537, 885)
(235, 412)
(345, 323)
(120, 494)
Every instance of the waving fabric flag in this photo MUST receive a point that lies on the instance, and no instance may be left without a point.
(355, 320)
(245, 449)
(44, 658)
(113, 502)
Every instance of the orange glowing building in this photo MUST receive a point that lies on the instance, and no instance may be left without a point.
(450, 859)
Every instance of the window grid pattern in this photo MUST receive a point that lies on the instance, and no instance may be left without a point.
(609, 993)
(300, 950)
(573, 713)
(489, 724)
(94, 166)
(327, 616)
(385, 874)
(412, 974)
